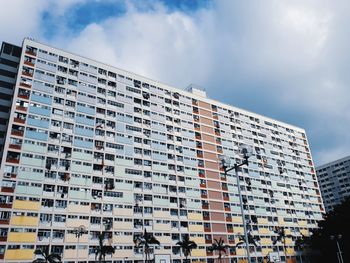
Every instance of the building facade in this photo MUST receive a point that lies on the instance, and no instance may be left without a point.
(9, 62)
(334, 180)
(95, 146)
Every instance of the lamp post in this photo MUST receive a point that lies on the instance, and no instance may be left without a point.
(78, 231)
(339, 253)
(225, 164)
(299, 244)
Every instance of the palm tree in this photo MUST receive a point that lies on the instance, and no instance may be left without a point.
(253, 240)
(186, 246)
(145, 241)
(47, 257)
(101, 251)
(219, 246)
(281, 236)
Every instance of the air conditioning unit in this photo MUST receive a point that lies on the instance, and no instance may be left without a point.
(7, 175)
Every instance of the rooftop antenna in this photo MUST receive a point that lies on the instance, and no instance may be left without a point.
(197, 90)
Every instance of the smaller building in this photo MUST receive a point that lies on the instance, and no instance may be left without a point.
(334, 181)
(9, 61)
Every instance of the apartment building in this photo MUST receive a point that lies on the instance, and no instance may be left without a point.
(334, 181)
(91, 145)
(9, 61)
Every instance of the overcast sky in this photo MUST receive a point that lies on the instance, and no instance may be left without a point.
(288, 60)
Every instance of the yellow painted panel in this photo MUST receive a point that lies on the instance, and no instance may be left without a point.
(242, 261)
(162, 227)
(290, 250)
(198, 240)
(238, 230)
(281, 220)
(237, 219)
(265, 241)
(196, 228)
(71, 238)
(123, 225)
(198, 253)
(26, 205)
(163, 239)
(266, 251)
(304, 232)
(124, 254)
(21, 237)
(302, 223)
(77, 222)
(123, 212)
(195, 216)
(124, 239)
(19, 254)
(287, 231)
(262, 221)
(24, 221)
(289, 241)
(240, 252)
(72, 253)
(162, 214)
(264, 231)
(84, 209)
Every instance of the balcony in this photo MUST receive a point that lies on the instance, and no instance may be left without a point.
(17, 132)
(31, 51)
(25, 84)
(29, 62)
(208, 241)
(6, 205)
(5, 221)
(23, 95)
(16, 146)
(27, 73)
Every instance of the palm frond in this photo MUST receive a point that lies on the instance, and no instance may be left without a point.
(54, 258)
(108, 250)
(219, 245)
(38, 252)
(187, 245)
(239, 243)
(152, 240)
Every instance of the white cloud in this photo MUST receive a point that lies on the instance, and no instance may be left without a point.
(156, 44)
(287, 59)
(20, 19)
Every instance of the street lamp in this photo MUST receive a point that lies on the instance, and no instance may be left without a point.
(79, 231)
(245, 152)
(339, 253)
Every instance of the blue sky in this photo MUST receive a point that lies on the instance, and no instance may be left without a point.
(284, 59)
(83, 13)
